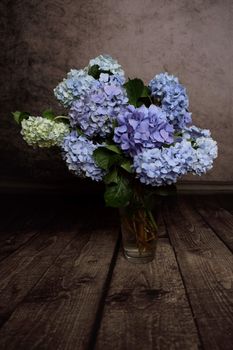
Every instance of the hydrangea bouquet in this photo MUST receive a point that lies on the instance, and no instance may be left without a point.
(136, 138)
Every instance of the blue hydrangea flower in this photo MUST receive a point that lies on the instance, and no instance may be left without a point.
(173, 98)
(206, 151)
(142, 127)
(193, 132)
(98, 108)
(107, 63)
(163, 166)
(160, 81)
(73, 87)
(78, 154)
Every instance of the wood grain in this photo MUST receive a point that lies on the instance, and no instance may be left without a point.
(146, 307)
(60, 310)
(219, 219)
(206, 266)
(22, 269)
(21, 228)
(59, 288)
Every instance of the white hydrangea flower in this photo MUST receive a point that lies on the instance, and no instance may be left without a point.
(42, 132)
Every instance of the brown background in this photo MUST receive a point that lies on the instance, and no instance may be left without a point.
(42, 40)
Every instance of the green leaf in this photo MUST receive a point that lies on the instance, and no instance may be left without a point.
(94, 71)
(135, 89)
(127, 165)
(111, 177)
(145, 92)
(113, 148)
(19, 116)
(49, 114)
(105, 158)
(138, 93)
(114, 124)
(119, 194)
(144, 101)
(145, 98)
(80, 132)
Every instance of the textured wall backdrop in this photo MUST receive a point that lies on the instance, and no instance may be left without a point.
(42, 40)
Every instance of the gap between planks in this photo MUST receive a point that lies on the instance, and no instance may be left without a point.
(206, 266)
(59, 310)
(146, 307)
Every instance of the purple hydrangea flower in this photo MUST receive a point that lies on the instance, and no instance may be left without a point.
(78, 154)
(173, 98)
(142, 127)
(163, 166)
(96, 110)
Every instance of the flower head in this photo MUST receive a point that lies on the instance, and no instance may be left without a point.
(193, 132)
(73, 87)
(107, 63)
(78, 154)
(98, 108)
(42, 132)
(158, 167)
(142, 127)
(173, 98)
(206, 151)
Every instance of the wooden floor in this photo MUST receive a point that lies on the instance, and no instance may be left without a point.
(64, 283)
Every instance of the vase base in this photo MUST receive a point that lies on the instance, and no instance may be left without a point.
(137, 258)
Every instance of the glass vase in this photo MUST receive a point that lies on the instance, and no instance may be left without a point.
(139, 234)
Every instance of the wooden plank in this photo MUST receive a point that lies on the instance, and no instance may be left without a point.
(219, 219)
(60, 310)
(146, 307)
(21, 230)
(206, 265)
(21, 270)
